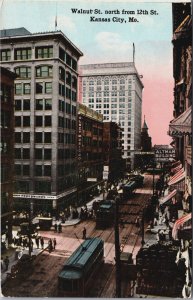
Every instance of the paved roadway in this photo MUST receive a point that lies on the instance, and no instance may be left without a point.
(42, 280)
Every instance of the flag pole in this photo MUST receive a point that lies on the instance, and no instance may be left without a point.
(56, 23)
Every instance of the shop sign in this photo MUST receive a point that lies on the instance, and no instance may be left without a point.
(164, 154)
(105, 174)
(79, 138)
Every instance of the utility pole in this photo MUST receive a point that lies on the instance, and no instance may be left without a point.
(30, 226)
(117, 250)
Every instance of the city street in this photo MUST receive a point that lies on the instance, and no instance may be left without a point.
(42, 280)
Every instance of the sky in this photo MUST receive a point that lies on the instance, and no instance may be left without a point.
(112, 41)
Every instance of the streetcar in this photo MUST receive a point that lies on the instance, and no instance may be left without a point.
(105, 214)
(128, 189)
(76, 276)
(138, 180)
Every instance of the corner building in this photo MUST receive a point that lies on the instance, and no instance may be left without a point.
(115, 90)
(45, 116)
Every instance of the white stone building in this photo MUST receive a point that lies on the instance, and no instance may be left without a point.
(115, 90)
(45, 98)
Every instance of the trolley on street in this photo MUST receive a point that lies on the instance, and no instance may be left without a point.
(77, 273)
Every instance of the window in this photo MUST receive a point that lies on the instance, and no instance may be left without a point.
(17, 104)
(38, 137)
(5, 54)
(62, 54)
(114, 81)
(39, 88)
(47, 137)
(44, 71)
(23, 72)
(43, 187)
(47, 154)
(26, 121)
(68, 59)
(22, 54)
(48, 104)
(38, 154)
(39, 104)
(48, 121)
(68, 78)
(74, 64)
(47, 170)
(18, 89)
(122, 81)
(38, 170)
(26, 153)
(61, 74)
(44, 52)
(39, 120)
(18, 153)
(61, 89)
(26, 170)
(17, 137)
(17, 121)
(74, 82)
(26, 88)
(48, 87)
(68, 93)
(113, 105)
(26, 137)
(18, 170)
(26, 104)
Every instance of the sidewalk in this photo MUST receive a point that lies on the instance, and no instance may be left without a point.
(14, 253)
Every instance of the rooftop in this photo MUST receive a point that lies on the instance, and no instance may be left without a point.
(14, 32)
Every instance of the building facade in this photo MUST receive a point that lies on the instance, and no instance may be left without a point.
(180, 127)
(115, 90)
(7, 150)
(45, 98)
(90, 152)
(112, 146)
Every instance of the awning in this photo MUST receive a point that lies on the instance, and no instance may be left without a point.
(179, 224)
(182, 124)
(168, 197)
(176, 163)
(176, 169)
(180, 175)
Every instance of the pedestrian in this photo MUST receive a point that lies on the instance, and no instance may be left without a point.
(84, 233)
(37, 242)
(6, 262)
(55, 227)
(59, 227)
(32, 244)
(54, 243)
(42, 242)
(50, 247)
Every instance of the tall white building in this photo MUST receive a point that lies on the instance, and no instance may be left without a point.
(115, 90)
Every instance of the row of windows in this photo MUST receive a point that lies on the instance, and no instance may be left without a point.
(40, 186)
(41, 104)
(64, 56)
(69, 93)
(40, 137)
(66, 123)
(66, 153)
(24, 153)
(40, 170)
(106, 82)
(39, 121)
(26, 53)
(106, 94)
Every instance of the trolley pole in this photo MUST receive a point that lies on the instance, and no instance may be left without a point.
(117, 250)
